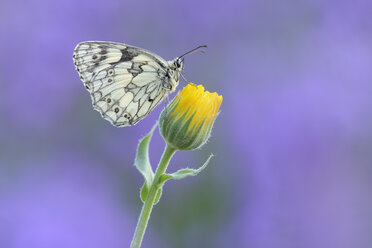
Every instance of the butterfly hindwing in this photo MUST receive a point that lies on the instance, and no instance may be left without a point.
(126, 83)
(120, 100)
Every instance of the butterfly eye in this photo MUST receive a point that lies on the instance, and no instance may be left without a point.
(177, 63)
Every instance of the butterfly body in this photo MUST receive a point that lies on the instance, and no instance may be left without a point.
(125, 82)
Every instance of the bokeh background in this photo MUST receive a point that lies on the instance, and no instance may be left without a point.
(292, 144)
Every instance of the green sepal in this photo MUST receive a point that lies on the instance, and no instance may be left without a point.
(142, 162)
(144, 192)
(182, 173)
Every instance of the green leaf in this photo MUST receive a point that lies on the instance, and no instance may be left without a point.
(163, 178)
(182, 173)
(144, 192)
(142, 161)
(158, 195)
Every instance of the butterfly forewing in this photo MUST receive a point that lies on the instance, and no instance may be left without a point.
(125, 82)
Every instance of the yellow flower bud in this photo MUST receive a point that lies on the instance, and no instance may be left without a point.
(186, 122)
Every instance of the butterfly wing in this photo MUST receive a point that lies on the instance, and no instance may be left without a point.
(125, 82)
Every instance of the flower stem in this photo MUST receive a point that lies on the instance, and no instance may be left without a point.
(149, 202)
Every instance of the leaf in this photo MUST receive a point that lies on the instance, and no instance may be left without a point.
(158, 195)
(142, 161)
(144, 192)
(182, 173)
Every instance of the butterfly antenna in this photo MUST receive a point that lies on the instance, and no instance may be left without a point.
(195, 50)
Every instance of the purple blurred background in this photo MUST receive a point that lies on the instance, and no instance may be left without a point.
(293, 142)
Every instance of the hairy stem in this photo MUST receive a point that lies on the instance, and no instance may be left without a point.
(149, 202)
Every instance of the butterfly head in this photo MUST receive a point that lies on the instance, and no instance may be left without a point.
(178, 64)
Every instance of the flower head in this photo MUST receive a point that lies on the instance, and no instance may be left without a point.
(187, 121)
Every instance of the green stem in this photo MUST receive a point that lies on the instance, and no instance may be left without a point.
(149, 202)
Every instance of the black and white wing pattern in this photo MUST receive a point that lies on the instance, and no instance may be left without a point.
(125, 82)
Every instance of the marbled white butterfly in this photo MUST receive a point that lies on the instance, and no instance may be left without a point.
(125, 82)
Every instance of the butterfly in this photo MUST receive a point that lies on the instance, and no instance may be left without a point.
(125, 82)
